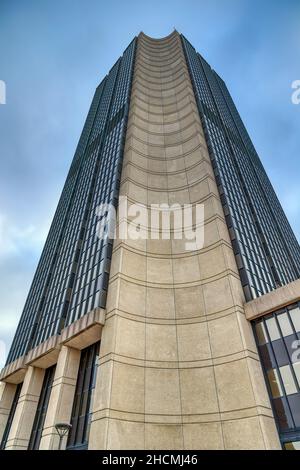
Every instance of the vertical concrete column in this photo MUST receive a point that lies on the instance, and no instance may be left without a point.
(179, 367)
(62, 396)
(21, 427)
(7, 393)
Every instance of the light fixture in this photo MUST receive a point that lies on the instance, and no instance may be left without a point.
(62, 430)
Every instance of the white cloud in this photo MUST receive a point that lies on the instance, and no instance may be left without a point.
(15, 238)
(20, 247)
(9, 322)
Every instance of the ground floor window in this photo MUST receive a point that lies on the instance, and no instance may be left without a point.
(11, 416)
(83, 400)
(41, 411)
(278, 339)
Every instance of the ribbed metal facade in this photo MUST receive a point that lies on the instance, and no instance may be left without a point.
(266, 249)
(278, 337)
(72, 275)
(168, 309)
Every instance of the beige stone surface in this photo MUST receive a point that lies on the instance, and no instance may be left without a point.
(274, 300)
(20, 431)
(61, 397)
(125, 435)
(234, 386)
(15, 371)
(162, 391)
(7, 393)
(84, 331)
(207, 436)
(246, 434)
(269, 432)
(198, 391)
(178, 362)
(45, 354)
(193, 342)
(163, 436)
(128, 383)
(179, 366)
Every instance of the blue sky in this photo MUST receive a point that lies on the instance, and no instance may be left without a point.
(54, 53)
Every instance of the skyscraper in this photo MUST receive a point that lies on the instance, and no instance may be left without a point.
(139, 342)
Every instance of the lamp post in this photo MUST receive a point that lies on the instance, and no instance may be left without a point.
(62, 430)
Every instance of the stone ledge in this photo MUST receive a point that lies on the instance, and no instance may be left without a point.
(84, 331)
(79, 335)
(15, 371)
(273, 301)
(45, 354)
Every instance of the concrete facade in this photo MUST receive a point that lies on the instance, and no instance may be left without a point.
(64, 351)
(170, 377)
(20, 431)
(62, 396)
(178, 366)
(273, 301)
(7, 392)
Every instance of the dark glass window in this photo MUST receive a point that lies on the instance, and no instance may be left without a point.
(41, 411)
(280, 352)
(267, 251)
(296, 367)
(295, 317)
(285, 324)
(66, 286)
(83, 400)
(291, 343)
(294, 403)
(283, 414)
(275, 385)
(267, 356)
(11, 416)
(278, 343)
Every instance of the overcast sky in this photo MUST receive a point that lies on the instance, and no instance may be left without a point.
(54, 53)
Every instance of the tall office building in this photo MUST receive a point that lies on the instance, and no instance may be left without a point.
(139, 342)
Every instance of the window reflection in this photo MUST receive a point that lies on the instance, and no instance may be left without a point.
(267, 356)
(288, 380)
(40, 415)
(294, 404)
(280, 352)
(284, 324)
(293, 345)
(11, 416)
(82, 406)
(273, 329)
(277, 335)
(274, 383)
(296, 367)
(295, 316)
(283, 414)
(261, 333)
